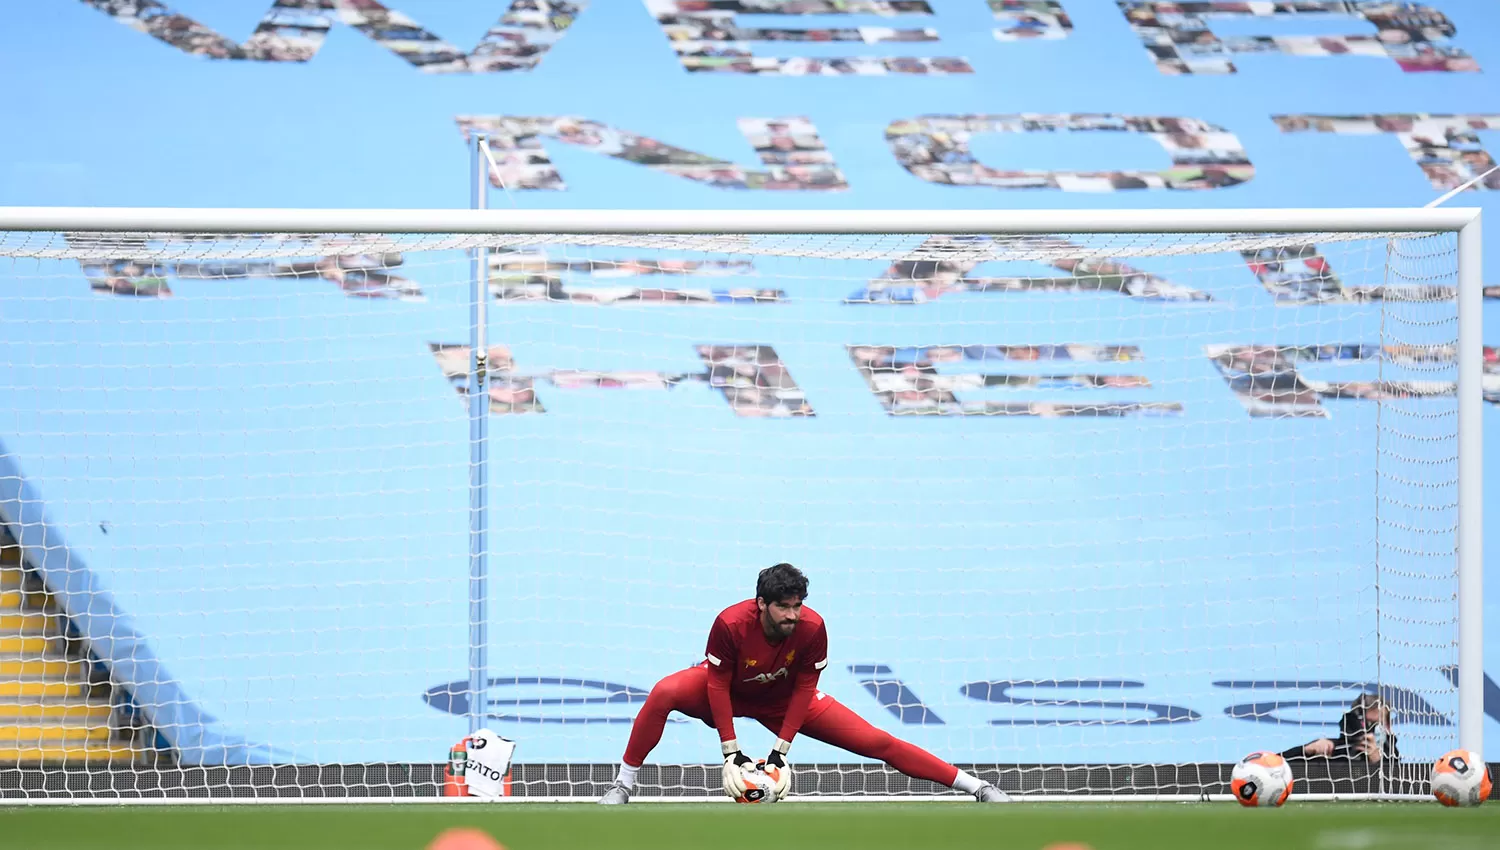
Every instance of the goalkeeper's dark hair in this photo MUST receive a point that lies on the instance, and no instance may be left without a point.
(780, 582)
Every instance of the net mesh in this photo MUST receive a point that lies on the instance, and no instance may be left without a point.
(1084, 513)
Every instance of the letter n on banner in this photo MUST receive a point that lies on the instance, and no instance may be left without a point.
(790, 148)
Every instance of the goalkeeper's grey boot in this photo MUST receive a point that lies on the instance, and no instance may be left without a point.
(988, 793)
(617, 795)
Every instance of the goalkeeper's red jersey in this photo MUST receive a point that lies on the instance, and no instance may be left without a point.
(763, 672)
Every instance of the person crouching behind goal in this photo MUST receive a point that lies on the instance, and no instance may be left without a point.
(1365, 734)
(763, 661)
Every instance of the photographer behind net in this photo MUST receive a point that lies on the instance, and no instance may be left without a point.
(1364, 736)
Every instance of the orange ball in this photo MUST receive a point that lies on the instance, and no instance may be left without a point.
(464, 838)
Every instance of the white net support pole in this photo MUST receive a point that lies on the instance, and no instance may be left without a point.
(479, 423)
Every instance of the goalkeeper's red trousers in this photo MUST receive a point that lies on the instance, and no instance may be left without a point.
(828, 721)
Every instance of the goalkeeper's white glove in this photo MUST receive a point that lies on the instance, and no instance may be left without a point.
(783, 771)
(735, 765)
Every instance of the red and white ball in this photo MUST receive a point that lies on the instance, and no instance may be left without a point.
(760, 786)
(1261, 779)
(1460, 778)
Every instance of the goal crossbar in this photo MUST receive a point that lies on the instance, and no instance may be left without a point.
(207, 220)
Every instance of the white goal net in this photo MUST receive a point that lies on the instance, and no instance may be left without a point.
(1085, 513)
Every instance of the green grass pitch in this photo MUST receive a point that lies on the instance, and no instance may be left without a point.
(822, 826)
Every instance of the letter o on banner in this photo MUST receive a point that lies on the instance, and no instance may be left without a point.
(936, 148)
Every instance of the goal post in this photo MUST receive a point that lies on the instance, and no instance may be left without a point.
(1471, 487)
(1093, 502)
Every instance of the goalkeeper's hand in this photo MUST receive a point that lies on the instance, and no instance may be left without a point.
(783, 773)
(735, 765)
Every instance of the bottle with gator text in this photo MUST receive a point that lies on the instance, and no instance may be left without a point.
(454, 784)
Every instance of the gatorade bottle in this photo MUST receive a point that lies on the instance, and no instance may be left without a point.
(454, 784)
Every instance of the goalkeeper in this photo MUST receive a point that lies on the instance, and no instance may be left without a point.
(763, 660)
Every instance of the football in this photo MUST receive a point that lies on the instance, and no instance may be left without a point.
(1261, 779)
(760, 787)
(1460, 778)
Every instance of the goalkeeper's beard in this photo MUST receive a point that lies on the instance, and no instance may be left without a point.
(783, 629)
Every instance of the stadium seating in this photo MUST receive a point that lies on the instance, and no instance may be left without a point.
(51, 710)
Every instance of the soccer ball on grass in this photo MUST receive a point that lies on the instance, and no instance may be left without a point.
(1261, 779)
(1460, 778)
